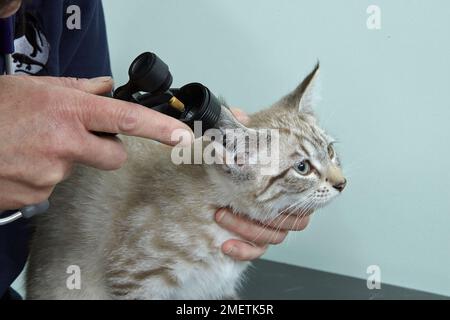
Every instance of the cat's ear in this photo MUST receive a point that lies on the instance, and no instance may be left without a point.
(228, 120)
(228, 128)
(305, 95)
(230, 145)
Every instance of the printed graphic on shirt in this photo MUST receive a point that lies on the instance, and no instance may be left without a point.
(31, 46)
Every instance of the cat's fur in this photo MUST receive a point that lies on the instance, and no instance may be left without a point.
(147, 231)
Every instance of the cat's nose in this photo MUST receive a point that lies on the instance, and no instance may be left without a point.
(340, 185)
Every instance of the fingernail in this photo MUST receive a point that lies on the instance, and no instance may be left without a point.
(101, 79)
(230, 250)
(220, 214)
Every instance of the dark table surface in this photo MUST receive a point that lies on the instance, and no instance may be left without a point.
(273, 280)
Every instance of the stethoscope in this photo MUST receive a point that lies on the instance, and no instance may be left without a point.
(7, 49)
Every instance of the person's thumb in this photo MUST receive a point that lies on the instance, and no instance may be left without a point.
(97, 85)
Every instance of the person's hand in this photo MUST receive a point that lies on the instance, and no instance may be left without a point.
(47, 125)
(256, 236)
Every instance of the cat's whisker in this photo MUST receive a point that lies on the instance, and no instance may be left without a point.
(268, 213)
(305, 203)
(295, 204)
(267, 223)
(301, 216)
(278, 228)
(296, 233)
(298, 216)
(303, 213)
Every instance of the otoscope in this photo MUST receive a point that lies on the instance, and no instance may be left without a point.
(149, 85)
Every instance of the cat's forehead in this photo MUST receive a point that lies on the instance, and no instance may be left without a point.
(308, 139)
(298, 131)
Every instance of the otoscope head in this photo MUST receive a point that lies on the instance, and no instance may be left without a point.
(200, 105)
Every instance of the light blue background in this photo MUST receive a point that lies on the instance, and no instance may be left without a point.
(386, 97)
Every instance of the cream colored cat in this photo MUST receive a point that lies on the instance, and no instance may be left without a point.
(147, 231)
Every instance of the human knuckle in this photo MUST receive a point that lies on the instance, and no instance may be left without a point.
(64, 145)
(119, 154)
(122, 157)
(119, 161)
(261, 252)
(20, 202)
(70, 82)
(229, 219)
(33, 197)
(127, 119)
(165, 129)
(251, 254)
(247, 228)
(54, 177)
(279, 237)
(42, 195)
(78, 113)
(50, 178)
(301, 225)
(242, 255)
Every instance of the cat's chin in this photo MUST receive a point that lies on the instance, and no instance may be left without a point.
(305, 211)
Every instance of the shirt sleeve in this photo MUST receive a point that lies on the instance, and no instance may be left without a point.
(84, 53)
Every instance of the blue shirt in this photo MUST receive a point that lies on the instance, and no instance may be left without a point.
(56, 38)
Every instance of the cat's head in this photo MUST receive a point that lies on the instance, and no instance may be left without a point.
(304, 171)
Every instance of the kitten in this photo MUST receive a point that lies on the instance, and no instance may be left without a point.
(147, 231)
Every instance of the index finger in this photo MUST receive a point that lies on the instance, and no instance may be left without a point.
(103, 114)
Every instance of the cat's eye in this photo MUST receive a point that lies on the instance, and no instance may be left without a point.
(331, 151)
(303, 167)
